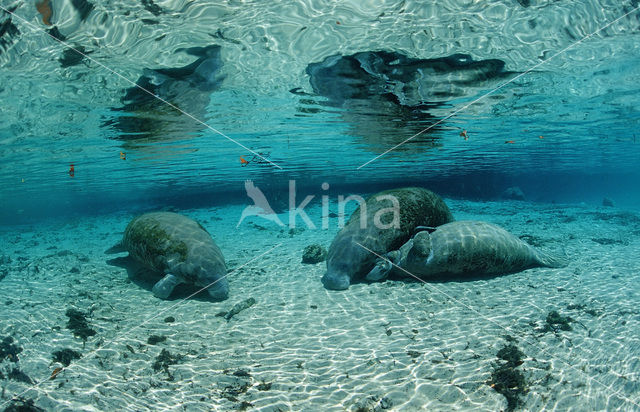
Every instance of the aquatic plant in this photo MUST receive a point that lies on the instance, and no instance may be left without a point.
(65, 356)
(512, 355)
(22, 405)
(314, 254)
(510, 383)
(78, 324)
(8, 350)
(506, 379)
(164, 359)
(556, 322)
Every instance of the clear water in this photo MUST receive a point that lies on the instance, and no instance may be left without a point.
(561, 122)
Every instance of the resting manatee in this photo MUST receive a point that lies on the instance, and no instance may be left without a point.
(347, 261)
(464, 248)
(177, 247)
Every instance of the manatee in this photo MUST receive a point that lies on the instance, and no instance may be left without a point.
(375, 226)
(463, 248)
(179, 249)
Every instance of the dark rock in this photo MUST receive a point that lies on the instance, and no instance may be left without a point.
(65, 356)
(264, 386)
(169, 319)
(154, 339)
(314, 254)
(607, 202)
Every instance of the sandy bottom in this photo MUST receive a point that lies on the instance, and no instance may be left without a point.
(400, 346)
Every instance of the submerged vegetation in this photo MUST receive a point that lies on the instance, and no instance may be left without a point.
(78, 324)
(556, 322)
(506, 379)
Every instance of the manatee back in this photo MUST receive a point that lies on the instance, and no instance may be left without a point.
(472, 247)
(162, 240)
(417, 207)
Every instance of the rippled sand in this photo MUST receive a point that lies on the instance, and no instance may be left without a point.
(402, 346)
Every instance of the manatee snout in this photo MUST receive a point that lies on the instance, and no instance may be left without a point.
(335, 280)
(219, 290)
(215, 280)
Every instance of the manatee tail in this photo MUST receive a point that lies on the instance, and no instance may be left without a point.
(551, 260)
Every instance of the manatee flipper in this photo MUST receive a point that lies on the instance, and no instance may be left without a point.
(380, 270)
(125, 262)
(165, 286)
(117, 248)
(385, 265)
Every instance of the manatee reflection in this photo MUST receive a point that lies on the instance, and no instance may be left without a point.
(143, 118)
(386, 97)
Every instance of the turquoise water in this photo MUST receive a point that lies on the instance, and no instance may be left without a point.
(57, 110)
(466, 98)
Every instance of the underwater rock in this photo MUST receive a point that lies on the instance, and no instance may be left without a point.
(8, 350)
(237, 308)
(513, 193)
(155, 339)
(78, 324)
(169, 319)
(177, 249)
(65, 356)
(462, 249)
(264, 386)
(314, 254)
(606, 202)
(144, 117)
(385, 222)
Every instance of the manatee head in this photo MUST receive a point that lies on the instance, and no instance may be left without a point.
(346, 261)
(207, 272)
(336, 279)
